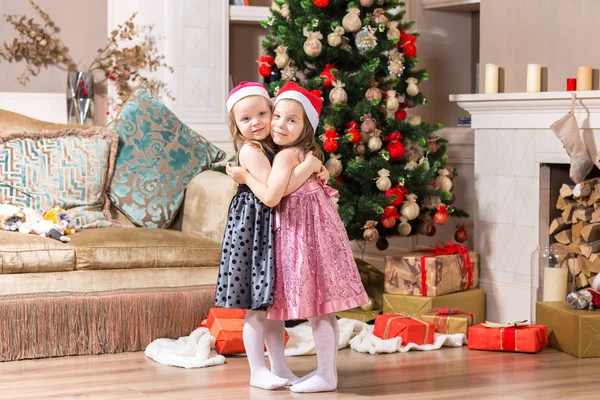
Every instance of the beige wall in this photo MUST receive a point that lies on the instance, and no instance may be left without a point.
(447, 49)
(558, 34)
(83, 30)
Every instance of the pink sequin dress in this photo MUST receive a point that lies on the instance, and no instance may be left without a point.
(315, 272)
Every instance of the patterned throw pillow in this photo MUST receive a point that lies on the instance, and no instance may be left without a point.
(68, 168)
(158, 156)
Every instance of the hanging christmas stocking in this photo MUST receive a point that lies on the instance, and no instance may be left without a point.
(567, 130)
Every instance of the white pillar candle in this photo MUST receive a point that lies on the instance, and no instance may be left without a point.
(555, 284)
(534, 77)
(491, 78)
(584, 78)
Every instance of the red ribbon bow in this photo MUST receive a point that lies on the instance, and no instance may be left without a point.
(444, 250)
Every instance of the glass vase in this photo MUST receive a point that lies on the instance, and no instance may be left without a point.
(549, 274)
(80, 98)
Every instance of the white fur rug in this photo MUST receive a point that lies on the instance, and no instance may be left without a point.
(196, 350)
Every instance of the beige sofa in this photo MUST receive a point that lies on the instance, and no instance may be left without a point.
(113, 289)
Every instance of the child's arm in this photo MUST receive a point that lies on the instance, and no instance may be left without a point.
(302, 172)
(271, 192)
(254, 160)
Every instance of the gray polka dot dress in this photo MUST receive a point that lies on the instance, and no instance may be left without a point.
(246, 272)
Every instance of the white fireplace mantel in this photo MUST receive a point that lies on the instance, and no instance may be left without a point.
(512, 140)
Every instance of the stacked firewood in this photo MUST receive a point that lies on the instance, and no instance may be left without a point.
(578, 229)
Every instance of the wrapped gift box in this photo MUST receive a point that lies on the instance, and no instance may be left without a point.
(226, 326)
(522, 339)
(449, 320)
(472, 301)
(576, 332)
(412, 330)
(359, 314)
(426, 274)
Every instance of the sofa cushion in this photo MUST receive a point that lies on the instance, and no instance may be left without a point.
(142, 248)
(31, 253)
(11, 122)
(69, 168)
(158, 156)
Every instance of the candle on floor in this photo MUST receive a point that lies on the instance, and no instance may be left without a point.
(555, 284)
(571, 84)
(534, 77)
(491, 78)
(584, 78)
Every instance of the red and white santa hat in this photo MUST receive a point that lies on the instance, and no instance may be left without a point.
(311, 103)
(246, 89)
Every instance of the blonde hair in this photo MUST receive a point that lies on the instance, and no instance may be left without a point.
(240, 140)
(306, 141)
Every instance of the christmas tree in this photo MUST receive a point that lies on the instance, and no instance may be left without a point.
(388, 166)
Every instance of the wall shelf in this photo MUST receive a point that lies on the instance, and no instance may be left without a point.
(248, 14)
(451, 5)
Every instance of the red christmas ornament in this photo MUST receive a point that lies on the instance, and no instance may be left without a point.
(400, 115)
(352, 125)
(339, 180)
(461, 234)
(388, 219)
(395, 147)
(398, 192)
(353, 136)
(331, 134)
(321, 3)
(330, 145)
(432, 230)
(409, 50)
(264, 69)
(441, 216)
(326, 73)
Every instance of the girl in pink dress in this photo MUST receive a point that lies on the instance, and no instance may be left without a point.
(315, 272)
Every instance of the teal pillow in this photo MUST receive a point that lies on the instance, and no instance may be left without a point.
(157, 158)
(68, 168)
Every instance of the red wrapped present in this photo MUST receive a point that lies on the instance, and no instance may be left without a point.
(411, 329)
(523, 339)
(226, 326)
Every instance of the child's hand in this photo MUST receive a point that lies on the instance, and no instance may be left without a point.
(238, 174)
(323, 174)
(314, 161)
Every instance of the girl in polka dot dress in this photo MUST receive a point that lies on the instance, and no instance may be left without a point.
(246, 274)
(316, 275)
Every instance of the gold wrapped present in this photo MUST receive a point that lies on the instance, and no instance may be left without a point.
(359, 314)
(576, 332)
(472, 301)
(450, 320)
(440, 271)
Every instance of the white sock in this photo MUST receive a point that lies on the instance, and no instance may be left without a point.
(336, 330)
(275, 339)
(254, 342)
(325, 378)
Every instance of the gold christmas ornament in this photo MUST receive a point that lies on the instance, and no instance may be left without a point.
(334, 165)
(374, 143)
(395, 62)
(383, 182)
(366, 3)
(359, 149)
(334, 39)
(391, 103)
(410, 208)
(370, 234)
(351, 21)
(379, 16)
(338, 95)
(289, 72)
(412, 89)
(285, 11)
(443, 181)
(404, 227)
(368, 123)
(312, 46)
(431, 202)
(282, 58)
(393, 31)
(373, 93)
(414, 120)
(365, 39)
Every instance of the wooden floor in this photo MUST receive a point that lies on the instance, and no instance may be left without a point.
(449, 373)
